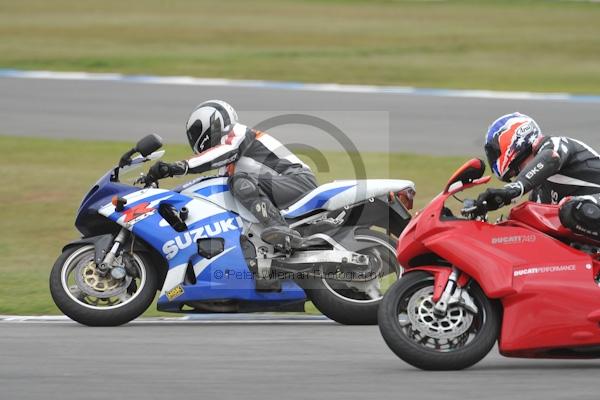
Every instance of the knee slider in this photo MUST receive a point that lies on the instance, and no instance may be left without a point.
(590, 212)
(242, 185)
(580, 211)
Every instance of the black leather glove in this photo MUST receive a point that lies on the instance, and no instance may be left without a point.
(493, 199)
(159, 170)
(165, 170)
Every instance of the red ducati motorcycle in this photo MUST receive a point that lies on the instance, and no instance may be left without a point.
(526, 282)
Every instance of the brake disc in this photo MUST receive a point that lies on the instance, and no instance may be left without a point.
(421, 314)
(92, 283)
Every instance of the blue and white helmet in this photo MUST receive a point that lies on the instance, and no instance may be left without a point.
(206, 124)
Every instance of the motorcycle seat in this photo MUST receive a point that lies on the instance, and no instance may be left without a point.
(338, 194)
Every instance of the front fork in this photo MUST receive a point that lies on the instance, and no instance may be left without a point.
(454, 293)
(106, 266)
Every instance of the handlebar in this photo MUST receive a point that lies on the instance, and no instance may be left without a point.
(146, 181)
(126, 163)
(472, 210)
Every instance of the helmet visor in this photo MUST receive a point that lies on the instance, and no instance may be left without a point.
(492, 153)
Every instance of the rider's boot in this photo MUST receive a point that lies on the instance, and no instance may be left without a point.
(581, 214)
(276, 232)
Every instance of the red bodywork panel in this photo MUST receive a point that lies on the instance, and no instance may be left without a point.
(547, 288)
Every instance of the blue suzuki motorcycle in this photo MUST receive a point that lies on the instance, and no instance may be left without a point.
(201, 250)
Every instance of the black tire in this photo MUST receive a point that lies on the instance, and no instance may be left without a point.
(87, 315)
(416, 354)
(341, 309)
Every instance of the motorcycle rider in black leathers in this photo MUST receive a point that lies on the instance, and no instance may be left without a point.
(553, 169)
(264, 176)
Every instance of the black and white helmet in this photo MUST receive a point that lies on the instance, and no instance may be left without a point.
(206, 124)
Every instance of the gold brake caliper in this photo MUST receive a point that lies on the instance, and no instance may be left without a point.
(97, 282)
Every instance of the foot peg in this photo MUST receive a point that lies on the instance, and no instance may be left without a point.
(282, 237)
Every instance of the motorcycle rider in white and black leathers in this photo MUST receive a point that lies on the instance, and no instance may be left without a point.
(553, 169)
(264, 176)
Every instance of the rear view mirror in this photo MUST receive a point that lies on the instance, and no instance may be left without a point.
(148, 144)
(470, 171)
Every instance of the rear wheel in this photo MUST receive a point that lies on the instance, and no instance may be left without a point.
(356, 303)
(88, 297)
(416, 335)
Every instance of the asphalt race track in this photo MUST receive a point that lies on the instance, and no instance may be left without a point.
(425, 124)
(255, 360)
(267, 358)
(244, 359)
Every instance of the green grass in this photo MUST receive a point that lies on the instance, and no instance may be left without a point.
(43, 181)
(538, 45)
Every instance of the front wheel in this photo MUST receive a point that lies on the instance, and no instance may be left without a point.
(356, 303)
(88, 297)
(414, 333)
